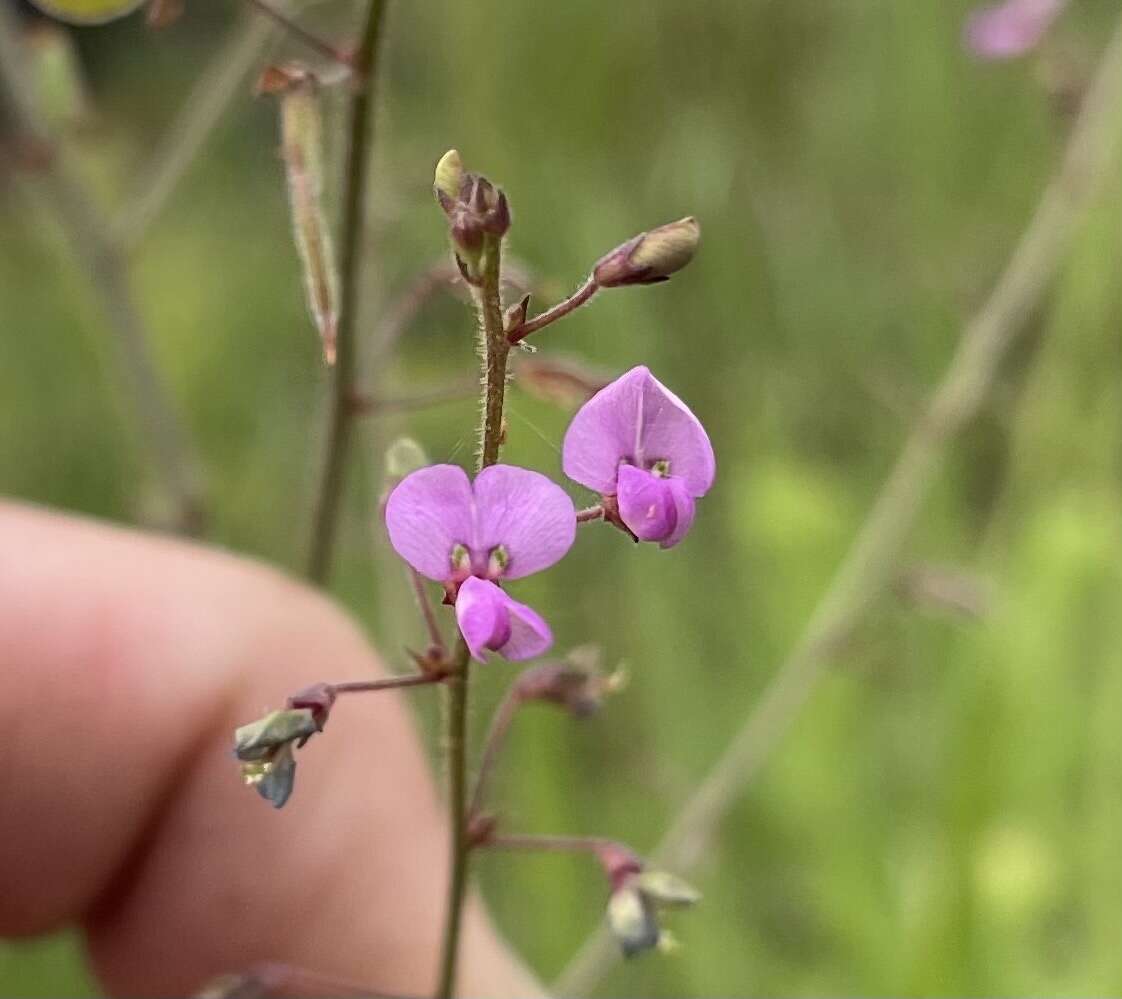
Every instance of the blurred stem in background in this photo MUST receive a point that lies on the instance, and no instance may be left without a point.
(870, 564)
(58, 193)
(344, 389)
(184, 138)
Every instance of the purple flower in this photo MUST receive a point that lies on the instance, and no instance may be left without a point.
(1010, 29)
(509, 523)
(639, 446)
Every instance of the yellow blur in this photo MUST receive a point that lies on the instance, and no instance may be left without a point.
(87, 11)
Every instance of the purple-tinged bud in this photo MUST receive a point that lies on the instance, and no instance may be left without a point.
(575, 684)
(651, 256)
(477, 212)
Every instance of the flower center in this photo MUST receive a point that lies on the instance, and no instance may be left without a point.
(461, 560)
(497, 562)
(660, 469)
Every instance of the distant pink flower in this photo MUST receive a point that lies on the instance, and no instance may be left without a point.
(639, 446)
(1010, 29)
(509, 523)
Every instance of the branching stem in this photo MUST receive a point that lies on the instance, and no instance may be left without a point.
(559, 311)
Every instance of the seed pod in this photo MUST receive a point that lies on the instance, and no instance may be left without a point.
(302, 152)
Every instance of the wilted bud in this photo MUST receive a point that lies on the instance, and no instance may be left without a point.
(302, 152)
(667, 890)
(634, 904)
(265, 749)
(651, 256)
(56, 76)
(575, 684)
(403, 456)
(632, 920)
(562, 381)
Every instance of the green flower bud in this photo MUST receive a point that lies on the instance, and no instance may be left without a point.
(650, 257)
(403, 456)
(449, 177)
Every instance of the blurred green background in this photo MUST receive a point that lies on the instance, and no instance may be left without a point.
(946, 816)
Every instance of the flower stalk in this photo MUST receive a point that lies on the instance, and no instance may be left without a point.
(494, 351)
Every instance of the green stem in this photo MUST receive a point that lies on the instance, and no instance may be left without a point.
(493, 359)
(360, 143)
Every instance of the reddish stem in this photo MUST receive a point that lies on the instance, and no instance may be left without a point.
(559, 311)
(388, 683)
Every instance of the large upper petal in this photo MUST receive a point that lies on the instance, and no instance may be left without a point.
(526, 513)
(636, 420)
(429, 513)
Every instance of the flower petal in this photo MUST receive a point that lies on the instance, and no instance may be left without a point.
(489, 619)
(483, 617)
(646, 505)
(429, 513)
(637, 420)
(684, 506)
(1010, 29)
(526, 513)
(529, 637)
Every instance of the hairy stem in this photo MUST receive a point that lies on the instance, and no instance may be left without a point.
(871, 562)
(343, 391)
(493, 359)
(428, 612)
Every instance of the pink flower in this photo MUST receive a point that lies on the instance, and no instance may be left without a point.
(640, 447)
(509, 523)
(1010, 29)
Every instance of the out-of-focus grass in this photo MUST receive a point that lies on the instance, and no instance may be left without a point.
(946, 815)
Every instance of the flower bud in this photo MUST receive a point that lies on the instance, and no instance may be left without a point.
(449, 177)
(651, 256)
(575, 684)
(403, 456)
(477, 212)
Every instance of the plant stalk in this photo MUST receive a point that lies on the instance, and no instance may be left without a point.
(494, 350)
(343, 392)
